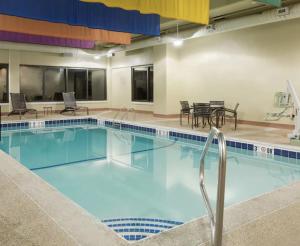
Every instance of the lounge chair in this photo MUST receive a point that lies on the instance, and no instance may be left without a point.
(18, 103)
(185, 110)
(70, 103)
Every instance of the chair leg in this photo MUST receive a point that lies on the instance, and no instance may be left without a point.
(235, 122)
(203, 122)
(217, 121)
(189, 118)
(209, 122)
(87, 111)
(192, 121)
(180, 119)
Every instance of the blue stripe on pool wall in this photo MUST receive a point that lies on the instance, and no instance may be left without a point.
(68, 163)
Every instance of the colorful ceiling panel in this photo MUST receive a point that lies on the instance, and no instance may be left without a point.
(45, 40)
(45, 28)
(77, 13)
(189, 10)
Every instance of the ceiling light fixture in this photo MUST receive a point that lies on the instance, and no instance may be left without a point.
(178, 41)
(110, 54)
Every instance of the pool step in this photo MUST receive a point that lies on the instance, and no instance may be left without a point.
(134, 229)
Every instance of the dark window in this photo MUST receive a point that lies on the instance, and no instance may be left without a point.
(31, 79)
(42, 83)
(142, 84)
(3, 83)
(97, 85)
(77, 82)
(54, 83)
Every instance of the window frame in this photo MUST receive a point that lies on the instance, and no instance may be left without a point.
(6, 65)
(148, 100)
(66, 69)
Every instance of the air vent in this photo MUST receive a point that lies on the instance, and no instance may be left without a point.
(67, 55)
(283, 11)
(211, 27)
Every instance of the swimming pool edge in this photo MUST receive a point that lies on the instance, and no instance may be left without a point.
(190, 229)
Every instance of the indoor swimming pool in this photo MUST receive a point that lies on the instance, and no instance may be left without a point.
(140, 183)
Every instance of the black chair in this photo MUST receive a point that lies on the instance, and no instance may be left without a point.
(18, 103)
(232, 114)
(217, 109)
(185, 110)
(71, 105)
(201, 110)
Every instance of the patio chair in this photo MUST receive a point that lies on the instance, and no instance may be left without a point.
(232, 114)
(185, 110)
(201, 110)
(70, 103)
(217, 108)
(18, 103)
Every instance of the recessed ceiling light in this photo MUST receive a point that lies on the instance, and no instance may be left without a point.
(110, 54)
(178, 42)
(96, 57)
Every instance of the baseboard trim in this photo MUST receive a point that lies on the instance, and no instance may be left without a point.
(135, 110)
(260, 123)
(166, 116)
(266, 124)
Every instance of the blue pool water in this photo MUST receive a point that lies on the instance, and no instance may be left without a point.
(116, 174)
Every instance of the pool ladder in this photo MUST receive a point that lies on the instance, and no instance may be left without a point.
(216, 219)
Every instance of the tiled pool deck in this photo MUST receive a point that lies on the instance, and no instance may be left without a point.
(33, 211)
(247, 132)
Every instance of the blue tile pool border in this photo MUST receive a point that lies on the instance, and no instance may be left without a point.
(68, 122)
(129, 127)
(181, 136)
(267, 149)
(135, 229)
(14, 126)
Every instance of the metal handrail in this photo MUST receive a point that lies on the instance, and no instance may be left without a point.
(216, 220)
(117, 114)
(125, 115)
(132, 110)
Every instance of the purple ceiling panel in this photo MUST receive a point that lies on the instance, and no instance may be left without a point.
(45, 40)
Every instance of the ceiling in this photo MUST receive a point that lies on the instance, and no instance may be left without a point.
(219, 10)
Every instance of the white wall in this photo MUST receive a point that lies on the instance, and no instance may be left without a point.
(16, 58)
(121, 78)
(4, 54)
(246, 66)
